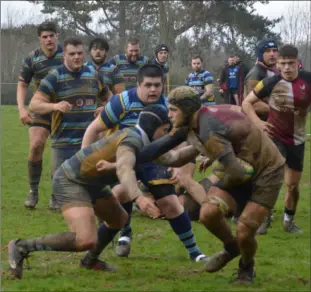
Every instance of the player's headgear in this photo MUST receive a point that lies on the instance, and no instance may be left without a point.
(187, 99)
(263, 45)
(152, 117)
(160, 48)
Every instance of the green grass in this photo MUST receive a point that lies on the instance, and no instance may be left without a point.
(158, 261)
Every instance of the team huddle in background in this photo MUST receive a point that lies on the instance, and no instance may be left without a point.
(123, 138)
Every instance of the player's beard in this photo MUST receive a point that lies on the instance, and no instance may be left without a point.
(99, 61)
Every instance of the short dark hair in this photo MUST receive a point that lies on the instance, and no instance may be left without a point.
(47, 26)
(197, 57)
(149, 70)
(133, 40)
(288, 51)
(99, 43)
(72, 41)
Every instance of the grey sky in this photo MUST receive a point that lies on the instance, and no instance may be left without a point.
(22, 11)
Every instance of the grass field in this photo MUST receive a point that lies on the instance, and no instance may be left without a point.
(158, 261)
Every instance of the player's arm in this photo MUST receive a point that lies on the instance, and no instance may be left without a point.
(108, 118)
(221, 149)
(125, 163)
(43, 101)
(208, 87)
(261, 108)
(262, 90)
(24, 80)
(162, 145)
(179, 157)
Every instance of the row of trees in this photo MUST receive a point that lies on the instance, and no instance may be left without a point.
(214, 29)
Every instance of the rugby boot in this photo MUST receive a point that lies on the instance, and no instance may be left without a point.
(264, 226)
(200, 258)
(123, 247)
(245, 274)
(96, 264)
(220, 259)
(291, 227)
(16, 256)
(53, 205)
(32, 199)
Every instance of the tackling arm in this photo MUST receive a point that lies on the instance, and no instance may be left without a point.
(40, 104)
(248, 107)
(92, 132)
(125, 164)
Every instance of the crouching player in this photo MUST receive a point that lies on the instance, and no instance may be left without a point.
(224, 134)
(82, 192)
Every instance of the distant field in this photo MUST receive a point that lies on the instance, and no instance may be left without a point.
(158, 261)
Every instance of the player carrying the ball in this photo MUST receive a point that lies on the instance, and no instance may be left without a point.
(224, 134)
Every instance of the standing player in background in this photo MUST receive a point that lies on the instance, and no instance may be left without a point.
(202, 81)
(267, 53)
(113, 78)
(70, 93)
(232, 81)
(289, 98)
(161, 59)
(36, 66)
(130, 62)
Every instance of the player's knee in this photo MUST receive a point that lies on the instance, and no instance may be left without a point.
(244, 233)
(210, 213)
(293, 189)
(37, 146)
(86, 242)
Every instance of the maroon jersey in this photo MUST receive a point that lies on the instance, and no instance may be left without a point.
(289, 102)
(224, 128)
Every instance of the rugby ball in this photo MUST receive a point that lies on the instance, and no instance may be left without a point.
(219, 170)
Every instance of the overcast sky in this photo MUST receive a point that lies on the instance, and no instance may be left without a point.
(23, 10)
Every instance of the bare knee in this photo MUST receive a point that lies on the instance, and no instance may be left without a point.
(120, 194)
(86, 242)
(170, 206)
(210, 213)
(37, 146)
(244, 233)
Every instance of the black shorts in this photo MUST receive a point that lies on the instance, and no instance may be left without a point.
(294, 154)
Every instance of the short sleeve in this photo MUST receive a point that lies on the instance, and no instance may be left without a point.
(264, 87)
(113, 111)
(48, 84)
(26, 72)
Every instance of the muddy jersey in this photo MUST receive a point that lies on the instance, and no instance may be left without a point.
(128, 69)
(81, 89)
(289, 102)
(37, 65)
(81, 167)
(256, 74)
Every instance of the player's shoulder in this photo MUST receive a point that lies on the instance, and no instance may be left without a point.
(305, 76)
(33, 55)
(257, 72)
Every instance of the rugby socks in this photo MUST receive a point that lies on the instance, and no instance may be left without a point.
(126, 231)
(34, 174)
(182, 227)
(289, 214)
(62, 241)
(105, 236)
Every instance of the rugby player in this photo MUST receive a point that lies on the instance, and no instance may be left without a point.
(36, 66)
(267, 53)
(82, 191)
(161, 59)
(113, 78)
(223, 133)
(122, 111)
(70, 94)
(289, 98)
(202, 81)
(130, 62)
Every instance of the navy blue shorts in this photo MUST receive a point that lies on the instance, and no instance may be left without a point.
(156, 178)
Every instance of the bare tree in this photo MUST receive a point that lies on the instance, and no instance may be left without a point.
(296, 29)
